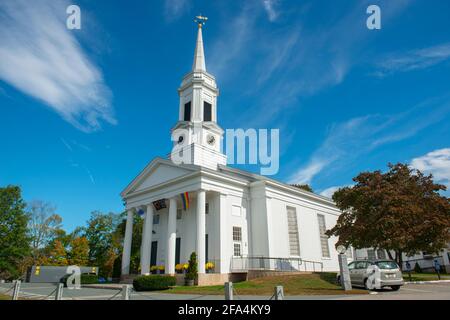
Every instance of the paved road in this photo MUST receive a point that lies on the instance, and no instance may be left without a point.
(434, 291)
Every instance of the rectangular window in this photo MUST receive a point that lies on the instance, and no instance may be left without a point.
(323, 237)
(294, 246)
(156, 219)
(207, 111)
(237, 234)
(179, 214)
(207, 208)
(237, 238)
(187, 111)
(237, 249)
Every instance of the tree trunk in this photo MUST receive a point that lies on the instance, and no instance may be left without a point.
(399, 258)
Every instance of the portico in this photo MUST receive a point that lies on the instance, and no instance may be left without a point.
(171, 234)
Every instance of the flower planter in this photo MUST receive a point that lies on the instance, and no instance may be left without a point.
(189, 282)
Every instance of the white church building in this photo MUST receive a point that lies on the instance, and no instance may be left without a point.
(236, 221)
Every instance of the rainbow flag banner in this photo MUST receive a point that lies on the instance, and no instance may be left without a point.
(185, 200)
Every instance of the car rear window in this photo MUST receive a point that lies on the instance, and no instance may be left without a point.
(386, 265)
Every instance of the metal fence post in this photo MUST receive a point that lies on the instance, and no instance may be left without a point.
(16, 290)
(228, 290)
(126, 292)
(59, 291)
(279, 293)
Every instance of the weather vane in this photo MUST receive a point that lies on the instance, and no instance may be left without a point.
(200, 20)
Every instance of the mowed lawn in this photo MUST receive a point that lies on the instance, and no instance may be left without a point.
(305, 284)
(4, 297)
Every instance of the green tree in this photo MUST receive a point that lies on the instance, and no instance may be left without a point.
(135, 255)
(100, 233)
(14, 240)
(79, 251)
(192, 271)
(305, 187)
(57, 255)
(44, 226)
(401, 211)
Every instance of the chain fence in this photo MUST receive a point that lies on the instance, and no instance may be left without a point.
(277, 295)
(126, 292)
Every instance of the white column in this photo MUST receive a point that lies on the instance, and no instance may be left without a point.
(127, 243)
(201, 230)
(224, 242)
(171, 236)
(147, 240)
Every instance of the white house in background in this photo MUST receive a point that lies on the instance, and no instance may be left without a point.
(424, 259)
(238, 220)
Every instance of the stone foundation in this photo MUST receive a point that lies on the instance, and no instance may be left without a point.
(211, 279)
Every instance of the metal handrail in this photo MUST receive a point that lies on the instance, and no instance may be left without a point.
(246, 263)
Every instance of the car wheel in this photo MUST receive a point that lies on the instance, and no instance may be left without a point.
(395, 288)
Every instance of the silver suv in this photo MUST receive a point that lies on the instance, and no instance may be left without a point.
(389, 274)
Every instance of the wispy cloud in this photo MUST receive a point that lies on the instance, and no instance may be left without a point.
(328, 192)
(349, 140)
(91, 177)
(437, 163)
(414, 60)
(74, 148)
(42, 58)
(176, 8)
(294, 62)
(66, 144)
(269, 6)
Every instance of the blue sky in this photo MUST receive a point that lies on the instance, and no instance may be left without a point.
(83, 111)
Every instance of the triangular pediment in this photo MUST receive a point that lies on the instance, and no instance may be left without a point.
(157, 172)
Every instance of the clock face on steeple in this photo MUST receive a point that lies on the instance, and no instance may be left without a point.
(211, 139)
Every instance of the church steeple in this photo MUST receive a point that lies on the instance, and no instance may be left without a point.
(197, 133)
(199, 56)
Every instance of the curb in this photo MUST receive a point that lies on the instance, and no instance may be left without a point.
(425, 282)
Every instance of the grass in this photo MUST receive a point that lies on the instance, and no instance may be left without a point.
(424, 276)
(4, 297)
(305, 284)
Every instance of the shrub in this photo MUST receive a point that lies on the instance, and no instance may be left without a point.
(153, 282)
(192, 271)
(89, 278)
(85, 278)
(417, 268)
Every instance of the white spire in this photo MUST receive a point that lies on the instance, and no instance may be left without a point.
(199, 56)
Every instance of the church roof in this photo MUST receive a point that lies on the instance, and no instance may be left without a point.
(225, 173)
